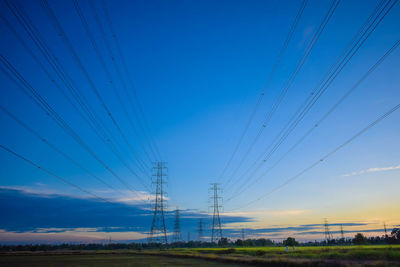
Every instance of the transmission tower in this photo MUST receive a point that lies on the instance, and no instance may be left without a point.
(243, 236)
(200, 229)
(384, 226)
(158, 232)
(216, 230)
(177, 228)
(328, 235)
(341, 231)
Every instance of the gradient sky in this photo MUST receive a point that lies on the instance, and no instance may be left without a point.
(198, 68)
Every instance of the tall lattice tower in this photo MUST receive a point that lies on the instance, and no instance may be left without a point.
(177, 228)
(216, 231)
(328, 235)
(341, 231)
(158, 232)
(200, 229)
(243, 234)
(384, 227)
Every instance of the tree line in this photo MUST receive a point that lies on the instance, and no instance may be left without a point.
(359, 239)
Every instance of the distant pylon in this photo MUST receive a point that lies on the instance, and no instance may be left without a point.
(243, 236)
(158, 232)
(328, 235)
(384, 226)
(341, 231)
(216, 230)
(200, 229)
(177, 228)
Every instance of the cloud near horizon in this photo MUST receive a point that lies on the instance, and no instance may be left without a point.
(371, 170)
(61, 214)
(30, 217)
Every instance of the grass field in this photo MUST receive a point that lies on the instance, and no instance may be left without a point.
(102, 260)
(247, 256)
(382, 255)
(379, 252)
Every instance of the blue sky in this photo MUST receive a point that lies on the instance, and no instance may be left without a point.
(198, 69)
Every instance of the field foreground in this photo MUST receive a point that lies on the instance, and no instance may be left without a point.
(254, 256)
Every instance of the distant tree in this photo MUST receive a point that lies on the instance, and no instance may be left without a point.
(248, 243)
(290, 241)
(262, 242)
(359, 239)
(239, 242)
(223, 242)
(395, 233)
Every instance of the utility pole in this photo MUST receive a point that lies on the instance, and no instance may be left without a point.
(328, 235)
(158, 232)
(216, 230)
(200, 229)
(177, 227)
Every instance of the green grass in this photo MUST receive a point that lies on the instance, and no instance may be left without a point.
(244, 256)
(101, 260)
(383, 253)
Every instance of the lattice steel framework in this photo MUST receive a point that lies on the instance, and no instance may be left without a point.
(328, 235)
(200, 229)
(216, 230)
(177, 228)
(158, 232)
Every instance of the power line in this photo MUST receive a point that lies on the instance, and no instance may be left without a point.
(290, 81)
(326, 156)
(142, 164)
(92, 85)
(144, 125)
(335, 69)
(271, 74)
(95, 123)
(29, 91)
(119, 73)
(58, 177)
(243, 187)
(55, 148)
(109, 76)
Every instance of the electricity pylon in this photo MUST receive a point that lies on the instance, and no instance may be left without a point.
(243, 236)
(328, 235)
(158, 232)
(200, 229)
(216, 221)
(341, 231)
(384, 226)
(177, 228)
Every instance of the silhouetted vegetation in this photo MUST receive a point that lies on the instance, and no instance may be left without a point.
(359, 239)
(290, 241)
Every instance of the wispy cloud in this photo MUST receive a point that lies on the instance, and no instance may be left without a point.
(64, 217)
(390, 168)
(266, 213)
(131, 197)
